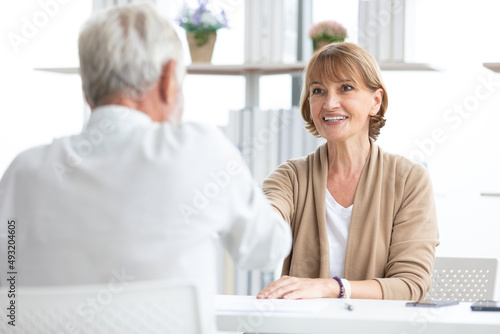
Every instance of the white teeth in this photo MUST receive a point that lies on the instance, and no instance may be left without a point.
(335, 119)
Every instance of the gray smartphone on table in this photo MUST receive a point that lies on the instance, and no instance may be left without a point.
(432, 303)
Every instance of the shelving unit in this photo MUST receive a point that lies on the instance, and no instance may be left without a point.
(407, 67)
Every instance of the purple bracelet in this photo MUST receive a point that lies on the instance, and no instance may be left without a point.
(341, 295)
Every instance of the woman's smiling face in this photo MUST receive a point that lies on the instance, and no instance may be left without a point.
(341, 109)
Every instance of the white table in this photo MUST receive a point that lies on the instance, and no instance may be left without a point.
(247, 314)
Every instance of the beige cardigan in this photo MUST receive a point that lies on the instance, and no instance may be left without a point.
(393, 232)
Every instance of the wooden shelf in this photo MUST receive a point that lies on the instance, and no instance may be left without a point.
(209, 69)
(264, 69)
(407, 67)
(495, 67)
(64, 70)
(490, 194)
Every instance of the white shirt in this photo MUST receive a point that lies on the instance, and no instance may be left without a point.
(338, 220)
(146, 199)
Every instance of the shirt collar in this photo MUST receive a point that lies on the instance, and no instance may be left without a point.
(117, 114)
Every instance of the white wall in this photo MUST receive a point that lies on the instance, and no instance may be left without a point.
(450, 120)
(463, 159)
(36, 106)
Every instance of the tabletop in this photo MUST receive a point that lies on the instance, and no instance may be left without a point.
(248, 314)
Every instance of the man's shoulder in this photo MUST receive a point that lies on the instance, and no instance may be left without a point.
(36, 155)
(27, 162)
(201, 134)
(32, 157)
(198, 128)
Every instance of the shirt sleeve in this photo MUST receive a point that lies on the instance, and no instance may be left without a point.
(257, 237)
(414, 239)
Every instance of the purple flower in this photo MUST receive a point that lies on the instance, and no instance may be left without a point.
(202, 6)
(224, 18)
(202, 18)
(196, 18)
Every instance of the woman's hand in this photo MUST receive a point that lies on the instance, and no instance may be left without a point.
(300, 288)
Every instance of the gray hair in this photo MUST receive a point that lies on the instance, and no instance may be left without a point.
(122, 51)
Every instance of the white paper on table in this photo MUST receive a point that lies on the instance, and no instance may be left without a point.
(252, 304)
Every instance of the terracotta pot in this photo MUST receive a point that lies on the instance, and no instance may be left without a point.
(319, 43)
(201, 46)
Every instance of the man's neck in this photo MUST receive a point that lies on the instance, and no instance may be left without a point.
(145, 104)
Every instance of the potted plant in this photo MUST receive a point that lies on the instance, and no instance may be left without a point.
(326, 32)
(201, 25)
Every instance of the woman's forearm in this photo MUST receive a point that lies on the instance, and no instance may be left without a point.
(369, 289)
(288, 287)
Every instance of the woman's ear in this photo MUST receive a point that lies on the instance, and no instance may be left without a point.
(378, 95)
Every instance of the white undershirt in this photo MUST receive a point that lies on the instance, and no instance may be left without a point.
(338, 220)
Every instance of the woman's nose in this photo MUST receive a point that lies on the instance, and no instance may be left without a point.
(332, 101)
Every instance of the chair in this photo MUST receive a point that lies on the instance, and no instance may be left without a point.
(463, 279)
(142, 307)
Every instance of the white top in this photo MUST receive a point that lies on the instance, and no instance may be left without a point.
(137, 199)
(338, 220)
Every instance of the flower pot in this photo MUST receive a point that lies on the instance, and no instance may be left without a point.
(201, 46)
(319, 43)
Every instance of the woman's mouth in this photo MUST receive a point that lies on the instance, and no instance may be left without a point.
(334, 118)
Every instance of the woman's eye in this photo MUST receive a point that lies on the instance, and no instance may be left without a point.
(317, 91)
(346, 88)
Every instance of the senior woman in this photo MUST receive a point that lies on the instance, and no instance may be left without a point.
(363, 221)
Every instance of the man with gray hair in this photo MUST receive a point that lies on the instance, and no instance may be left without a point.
(137, 192)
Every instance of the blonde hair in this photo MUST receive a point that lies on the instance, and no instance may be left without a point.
(336, 61)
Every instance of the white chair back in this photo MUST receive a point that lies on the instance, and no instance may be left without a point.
(463, 279)
(143, 307)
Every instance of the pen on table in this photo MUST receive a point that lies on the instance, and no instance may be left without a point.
(349, 307)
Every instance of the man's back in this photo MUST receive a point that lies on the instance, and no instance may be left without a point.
(143, 199)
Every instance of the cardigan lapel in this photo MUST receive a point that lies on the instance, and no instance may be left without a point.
(321, 171)
(365, 197)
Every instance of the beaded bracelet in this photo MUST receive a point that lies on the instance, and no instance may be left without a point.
(341, 295)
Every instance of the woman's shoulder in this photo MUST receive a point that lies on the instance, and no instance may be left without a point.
(401, 166)
(305, 163)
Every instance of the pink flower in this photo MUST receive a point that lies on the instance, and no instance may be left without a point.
(327, 30)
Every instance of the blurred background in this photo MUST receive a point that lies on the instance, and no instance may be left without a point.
(438, 61)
